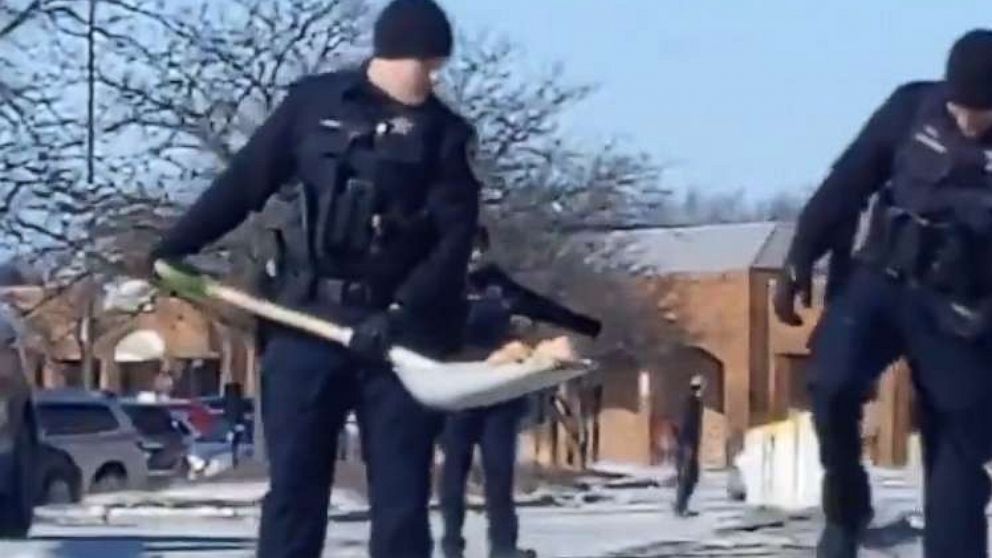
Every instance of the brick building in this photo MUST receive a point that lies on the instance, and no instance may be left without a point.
(712, 286)
(199, 351)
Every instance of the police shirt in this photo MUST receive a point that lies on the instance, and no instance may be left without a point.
(280, 152)
(829, 218)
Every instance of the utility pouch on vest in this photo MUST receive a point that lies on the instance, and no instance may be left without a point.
(950, 268)
(938, 257)
(934, 255)
(345, 219)
(901, 245)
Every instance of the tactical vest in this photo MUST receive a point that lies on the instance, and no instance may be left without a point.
(364, 179)
(933, 222)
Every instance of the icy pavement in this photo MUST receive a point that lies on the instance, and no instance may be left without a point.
(599, 517)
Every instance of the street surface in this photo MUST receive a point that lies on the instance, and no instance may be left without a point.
(628, 517)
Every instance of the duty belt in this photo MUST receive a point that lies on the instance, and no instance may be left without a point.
(303, 287)
(347, 293)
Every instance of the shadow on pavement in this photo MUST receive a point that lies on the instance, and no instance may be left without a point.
(133, 546)
(895, 533)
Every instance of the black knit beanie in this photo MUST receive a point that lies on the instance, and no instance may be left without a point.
(412, 29)
(969, 70)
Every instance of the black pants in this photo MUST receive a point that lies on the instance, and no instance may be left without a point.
(870, 324)
(687, 464)
(494, 430)
(309, 386)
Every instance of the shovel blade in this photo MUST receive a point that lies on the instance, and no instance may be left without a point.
(465, 385)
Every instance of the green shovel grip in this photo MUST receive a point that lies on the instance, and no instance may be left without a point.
(184, 284)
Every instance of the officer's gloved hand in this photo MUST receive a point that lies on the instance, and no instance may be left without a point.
(372, 338)
(795, 280)
(176, 262)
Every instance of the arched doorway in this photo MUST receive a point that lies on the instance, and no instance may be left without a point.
(138, 358)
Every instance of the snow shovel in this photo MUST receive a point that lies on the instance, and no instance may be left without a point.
(442, 385)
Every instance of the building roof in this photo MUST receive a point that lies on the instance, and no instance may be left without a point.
(699, 249)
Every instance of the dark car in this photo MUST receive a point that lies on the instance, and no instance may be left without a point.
(162, 437)
(18, 435)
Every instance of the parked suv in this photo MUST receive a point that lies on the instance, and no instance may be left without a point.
(93, 430)
(162, 437)
(61, 479)
(18, 435)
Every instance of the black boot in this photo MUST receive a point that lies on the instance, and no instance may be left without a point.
(450, 550)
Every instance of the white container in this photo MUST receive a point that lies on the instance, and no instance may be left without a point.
(780, 464)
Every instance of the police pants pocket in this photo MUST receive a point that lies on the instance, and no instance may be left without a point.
(297, 369)
(969, 322)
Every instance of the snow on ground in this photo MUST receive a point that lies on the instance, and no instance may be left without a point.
(604, 516)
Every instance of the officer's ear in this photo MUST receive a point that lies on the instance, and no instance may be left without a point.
(435, 65)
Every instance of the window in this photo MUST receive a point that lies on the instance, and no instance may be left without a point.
(60, 419)
(150, 420)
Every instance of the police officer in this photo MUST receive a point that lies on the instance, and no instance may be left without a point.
(380, 241)
(921, 289)
(690, 436)
(494, 299)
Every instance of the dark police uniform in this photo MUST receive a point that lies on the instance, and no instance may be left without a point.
(920, 290)
(494, 300)
(387, 209)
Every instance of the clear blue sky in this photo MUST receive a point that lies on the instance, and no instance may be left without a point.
(754, 94)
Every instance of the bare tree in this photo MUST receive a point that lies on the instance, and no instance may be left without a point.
(528, 164)
(195, 93)
(696, 207)
(47, 197)
(27, 110)
(175, 105)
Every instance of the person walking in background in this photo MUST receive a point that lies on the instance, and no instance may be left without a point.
(690, 436)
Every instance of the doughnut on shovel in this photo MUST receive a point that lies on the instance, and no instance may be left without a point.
(442, 385)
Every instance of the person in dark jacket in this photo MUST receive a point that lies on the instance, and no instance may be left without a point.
(380, 241)
(920, 289)
(690, 436)
(494, 299)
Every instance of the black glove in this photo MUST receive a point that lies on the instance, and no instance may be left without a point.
(176, 262)
(374, 336)
(794, 280)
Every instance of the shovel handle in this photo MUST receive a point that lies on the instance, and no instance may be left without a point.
(198, 286)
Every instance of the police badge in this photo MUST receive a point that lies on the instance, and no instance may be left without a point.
(401, 125)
